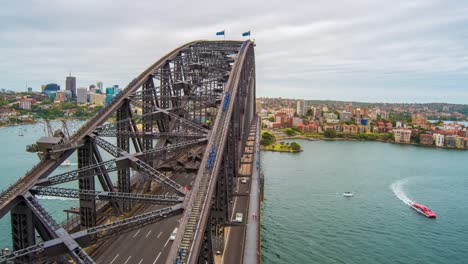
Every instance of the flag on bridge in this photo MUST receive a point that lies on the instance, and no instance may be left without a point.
(220, 33)
(245, 34)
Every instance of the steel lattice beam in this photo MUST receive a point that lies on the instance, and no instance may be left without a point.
(108, 196)
(56, 231)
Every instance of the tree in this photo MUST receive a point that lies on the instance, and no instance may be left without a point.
(330, 133)
(267, 138)
(295, 146)
(290, 132)
(271, 119)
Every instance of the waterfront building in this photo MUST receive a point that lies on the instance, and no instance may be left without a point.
(459, 142)
(450, 141)
(82, 95)
(70, 85)
(60, 97)
(345, 116)
(286, 111)
(99, 85)
(402, 135)
(330, 116)
(97, 99)
(426, 139)
(365, 121)
(26, 103)
(309, 128)
(439, 139)
(51, 87)
(419, 120)
(345, 128)
(300, 108)
(296, 121)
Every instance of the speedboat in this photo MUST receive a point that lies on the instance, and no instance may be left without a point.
(66, 163)
(422, 209)
(348, 194)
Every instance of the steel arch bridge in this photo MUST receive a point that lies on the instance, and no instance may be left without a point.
(190, 112)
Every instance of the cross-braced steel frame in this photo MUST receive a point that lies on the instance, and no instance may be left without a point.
(199, 98)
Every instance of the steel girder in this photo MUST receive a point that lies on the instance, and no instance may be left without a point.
(188, 77)
(88, 214)
(56, 231)
(107, 196)
(84, 238)
(194, 222)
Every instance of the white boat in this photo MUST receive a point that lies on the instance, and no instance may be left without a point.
(348, 194)
(66, 163)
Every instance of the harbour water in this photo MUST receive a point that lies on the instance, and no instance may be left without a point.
(15, 161)
(305, 218)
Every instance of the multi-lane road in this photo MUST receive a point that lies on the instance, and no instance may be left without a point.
(147, 245)
(151, 244)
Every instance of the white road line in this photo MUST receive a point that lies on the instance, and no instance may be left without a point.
(141, 260)
(149, 232)
(166, 194)
(159, 235)
(116, 256)
(128, 259)
(166, 242)
(136, 234)
(157, 258)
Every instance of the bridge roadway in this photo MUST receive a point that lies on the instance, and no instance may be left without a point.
(151, 244)
(236, 235)
(147, 245)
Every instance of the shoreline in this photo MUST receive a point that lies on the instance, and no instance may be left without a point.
(301, 137)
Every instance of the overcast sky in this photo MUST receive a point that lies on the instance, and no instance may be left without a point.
(368, 50)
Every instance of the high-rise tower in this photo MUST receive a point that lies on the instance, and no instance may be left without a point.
(70, 85)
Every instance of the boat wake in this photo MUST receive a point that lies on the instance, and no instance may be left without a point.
(397, 188)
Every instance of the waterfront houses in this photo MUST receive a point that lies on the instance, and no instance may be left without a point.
(399, 123)
(402, 135)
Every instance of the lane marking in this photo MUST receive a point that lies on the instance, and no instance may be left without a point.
(166, 194)
(149, 232)
(159, 235)
(136, 233)
(128, 259)
(166, 242)
(116, 256)
(141, 260)
(157, 258)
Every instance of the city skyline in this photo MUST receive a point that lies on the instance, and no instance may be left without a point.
(371, 51)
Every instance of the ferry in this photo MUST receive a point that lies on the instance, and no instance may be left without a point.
(423, 210)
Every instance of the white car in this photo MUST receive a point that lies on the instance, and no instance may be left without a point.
(238, 218)
(174, 234)
(243, 180)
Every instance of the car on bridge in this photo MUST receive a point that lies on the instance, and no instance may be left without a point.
(239, 217)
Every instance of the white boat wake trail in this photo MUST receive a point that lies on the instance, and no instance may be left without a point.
(397, 188)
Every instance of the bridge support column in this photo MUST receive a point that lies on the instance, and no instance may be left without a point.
(22, 229)
(148, 102)
(123, 143)
(87, 203)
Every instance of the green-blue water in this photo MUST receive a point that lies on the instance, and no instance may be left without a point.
(15, 161)
(305, 219)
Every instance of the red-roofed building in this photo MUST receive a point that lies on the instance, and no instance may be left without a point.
(426, 139)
